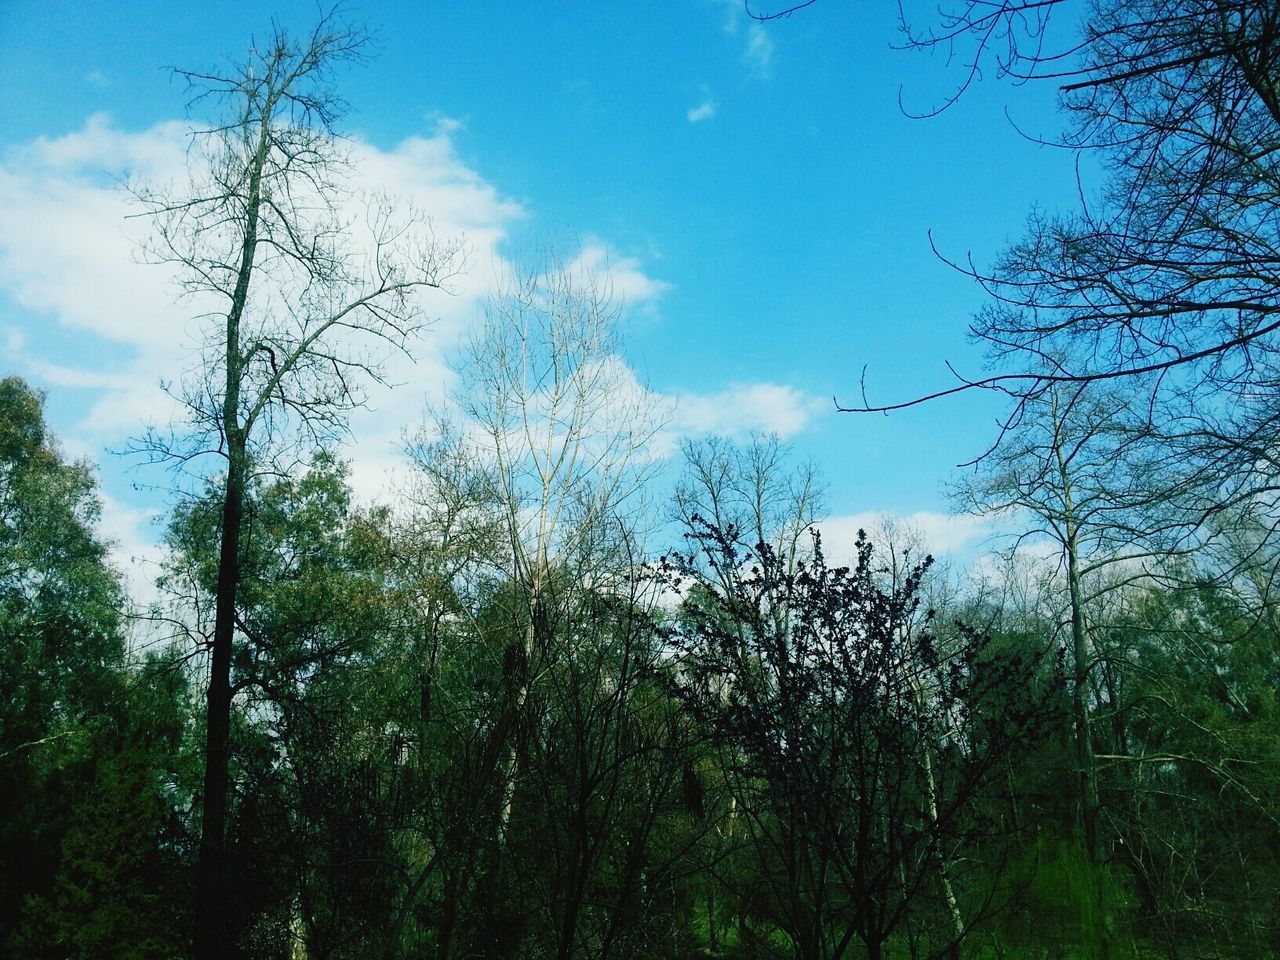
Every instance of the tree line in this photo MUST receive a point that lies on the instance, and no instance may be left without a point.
(501, 717)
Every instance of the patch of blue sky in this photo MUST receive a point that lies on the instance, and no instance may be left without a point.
(762, 185)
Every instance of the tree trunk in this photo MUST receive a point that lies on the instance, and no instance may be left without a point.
(1089, 804)
(944, 865)
(210, 934)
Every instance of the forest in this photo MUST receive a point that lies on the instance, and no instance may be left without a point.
(545, 703)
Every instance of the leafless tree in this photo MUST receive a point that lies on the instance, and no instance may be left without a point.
(752, 490)
(264, 244)
(553, 442)
(1081, 471)
(1172, 268)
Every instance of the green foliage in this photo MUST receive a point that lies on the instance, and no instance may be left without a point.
(1200, 790)
(1053, 890)
(430, 757)
(89, 838)
(122, 887)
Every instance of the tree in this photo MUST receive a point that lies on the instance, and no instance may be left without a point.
(1168, 276)
(558, 428)
(261, 237)
(750, 490)
(1083, 471)
(825, 732)
(1076, 469)
(1198, 761)
(123, 882)
(551, 456)
(61, 645)
(1171, 268)
(316, 771)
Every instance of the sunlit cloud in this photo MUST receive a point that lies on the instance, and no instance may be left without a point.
(622, 277)
(69, 258)
(738, 411)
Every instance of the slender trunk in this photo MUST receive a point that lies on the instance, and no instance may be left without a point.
(297, 934)
(1089, 803)
(1015, 813)
(519, 658)
(1090, 806)
(713, 932)
(944, 866)
(579, 868)
(516, 705)
(211, 932)
(210, 935)
(448, 921)
(1088, 784)
(931, 809)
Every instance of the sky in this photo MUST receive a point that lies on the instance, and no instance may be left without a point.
(760, 195)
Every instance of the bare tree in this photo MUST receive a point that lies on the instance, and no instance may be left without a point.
(751, 489)
(554, 446)
(1081, 471)
(1173, 266)
(261, 239)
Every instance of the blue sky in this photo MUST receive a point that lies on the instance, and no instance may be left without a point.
(762, 200)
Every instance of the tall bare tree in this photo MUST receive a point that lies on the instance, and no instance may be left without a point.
(752, 489)
(262, 240)
(553, 449)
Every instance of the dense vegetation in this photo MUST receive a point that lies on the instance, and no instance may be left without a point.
(507, 714)
(433, 754)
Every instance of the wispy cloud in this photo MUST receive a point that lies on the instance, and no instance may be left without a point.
(704, 110)
(758, 52)
(623, 277)
(757, 44)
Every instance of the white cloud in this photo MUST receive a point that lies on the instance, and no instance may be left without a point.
(935, 533)
(68, 259)
(705, 110)
(743, 408)
(97, 78)
(129, 532)
(65, 248)
(622, 276)
(68, 256)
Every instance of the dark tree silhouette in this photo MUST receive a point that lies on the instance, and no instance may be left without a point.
(260, 232)
(854, 745)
